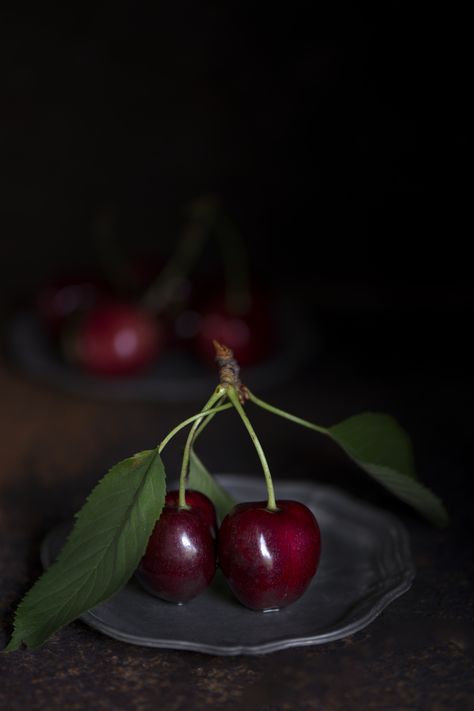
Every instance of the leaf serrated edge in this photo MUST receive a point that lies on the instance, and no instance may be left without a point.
(18, 636)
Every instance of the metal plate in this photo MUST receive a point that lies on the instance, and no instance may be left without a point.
(177, 376)
(365, 564)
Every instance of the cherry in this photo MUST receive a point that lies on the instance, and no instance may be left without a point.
(250, 333)
(200, 503)
(114, 338)
(67, 296)
(269, 557)
(180, 559)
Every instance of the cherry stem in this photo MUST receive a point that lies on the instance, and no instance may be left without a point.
(209, 413)
(202, 217)
(217, 395)
(234, 398)
(286, 415)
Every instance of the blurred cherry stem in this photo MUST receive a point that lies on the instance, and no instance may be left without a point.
(235, 262)
(170, 281)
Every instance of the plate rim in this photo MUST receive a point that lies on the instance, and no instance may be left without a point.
(403, 582)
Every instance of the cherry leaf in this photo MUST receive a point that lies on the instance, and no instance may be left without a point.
(378, 444)
(201, 480)
(107, 542)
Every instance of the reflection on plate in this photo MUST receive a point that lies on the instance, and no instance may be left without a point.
(177, 376)
(365, 564)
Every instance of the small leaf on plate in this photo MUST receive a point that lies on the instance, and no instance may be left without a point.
(378, 444)
(201, 480)
(107, 542)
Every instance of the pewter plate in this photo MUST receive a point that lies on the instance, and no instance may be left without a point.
(177, 375)
(365, 564)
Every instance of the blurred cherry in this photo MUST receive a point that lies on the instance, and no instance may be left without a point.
(114, 338)
(249, 332)
(67, 296)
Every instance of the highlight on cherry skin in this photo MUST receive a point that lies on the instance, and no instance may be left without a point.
(114, 338)
(198, 501)
(269, 557)
(180, 559)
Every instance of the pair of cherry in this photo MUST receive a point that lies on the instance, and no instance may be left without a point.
(268, 557)
(104, 334)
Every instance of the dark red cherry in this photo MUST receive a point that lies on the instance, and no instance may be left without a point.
(269, 557)
(114, 338)
(198, 502)
(250, 333)
(180, 559)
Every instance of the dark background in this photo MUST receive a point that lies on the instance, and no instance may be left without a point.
(336, 136)
(339, 129)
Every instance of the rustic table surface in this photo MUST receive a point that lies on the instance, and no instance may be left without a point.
(341, 159)
(417, 655)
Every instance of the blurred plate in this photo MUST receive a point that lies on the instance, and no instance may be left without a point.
(177, 376)
(365, 564)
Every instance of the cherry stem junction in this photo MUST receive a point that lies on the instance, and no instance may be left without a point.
(234, 398)
(232, 389)
(216, 396)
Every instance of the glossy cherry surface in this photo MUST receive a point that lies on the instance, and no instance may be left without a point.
(198, 502)
(180, 560)
(269, 557)
(115, 338)
(249, 334)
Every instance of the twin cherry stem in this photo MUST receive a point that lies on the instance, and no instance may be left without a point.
(205, 416)
(234, 398)
(203, 214)
(230, 389)
(205, 217)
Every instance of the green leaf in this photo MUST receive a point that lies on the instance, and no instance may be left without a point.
(378, 439)
(378, 444)
(107, 542)
(200, 479)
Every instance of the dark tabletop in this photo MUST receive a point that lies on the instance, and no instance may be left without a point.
(417, 655)
(336, 135)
